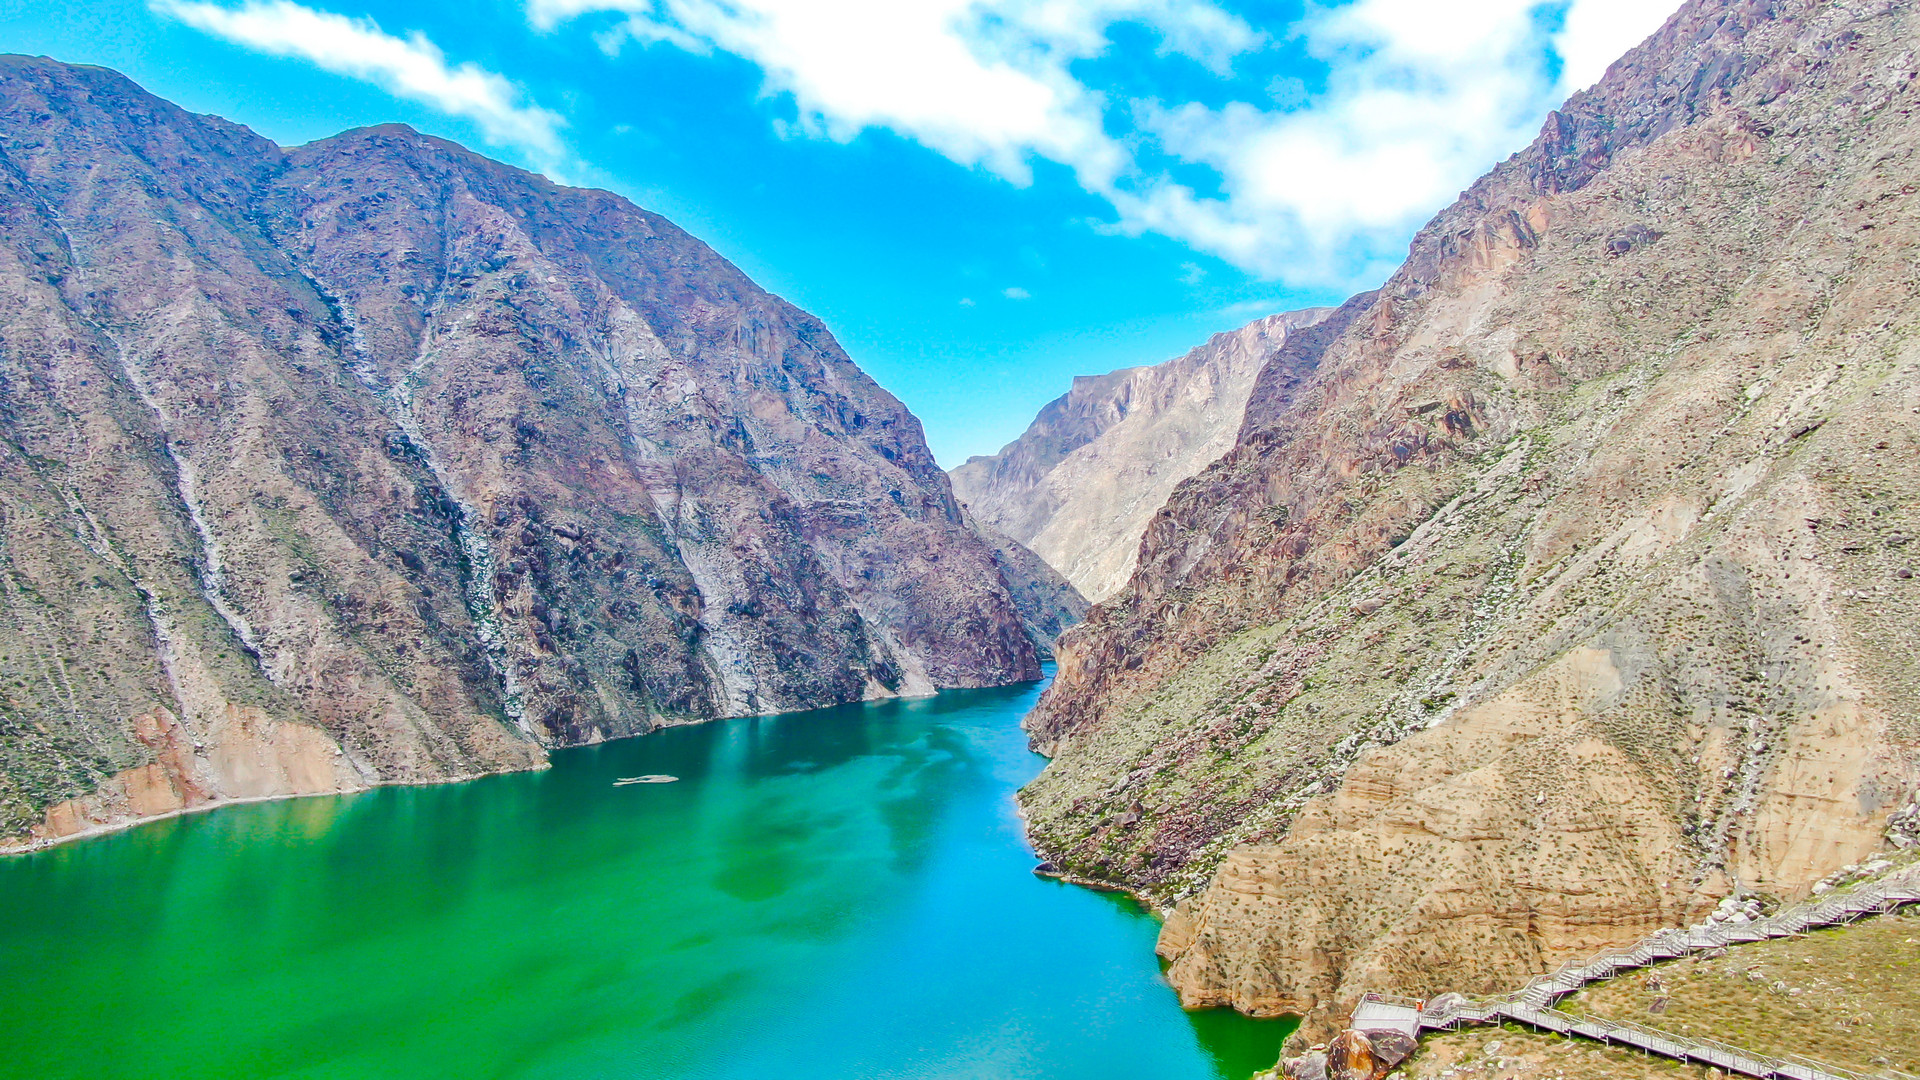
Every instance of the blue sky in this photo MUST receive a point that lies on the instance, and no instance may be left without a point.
(983, 198)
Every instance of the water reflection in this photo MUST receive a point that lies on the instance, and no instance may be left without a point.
(843, 893)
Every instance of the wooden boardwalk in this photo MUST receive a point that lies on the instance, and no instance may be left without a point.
(1533, 1004)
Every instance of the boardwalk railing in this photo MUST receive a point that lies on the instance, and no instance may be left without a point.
(1534, 1003)
(1833, 909)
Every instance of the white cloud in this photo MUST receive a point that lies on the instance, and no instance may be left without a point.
(983, 84)
(966, 301)
(411, 67)
(1420, 98)
(1253, 309)
(1597, 32)
(1015, 292)
(1313, 187)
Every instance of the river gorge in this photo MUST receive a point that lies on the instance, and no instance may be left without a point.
(841, 892)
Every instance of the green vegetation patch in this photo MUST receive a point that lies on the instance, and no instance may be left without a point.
(1848, 996)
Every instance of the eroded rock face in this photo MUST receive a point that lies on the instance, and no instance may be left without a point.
(374, 460)
(1079, 486)
(1350, 1057)
(1560, 587)
(1048, 603)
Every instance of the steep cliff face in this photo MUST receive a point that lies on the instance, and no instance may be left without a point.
(1048, 603)
(375, 461)
(1562, 586)
(1079, 486)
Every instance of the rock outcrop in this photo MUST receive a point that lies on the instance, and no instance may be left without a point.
(1562, 586)
(1079, 486)
(373, 461)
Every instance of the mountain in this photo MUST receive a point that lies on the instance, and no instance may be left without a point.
(1048, 604)
(376, 461)
(1564, 585)
(1079, 486)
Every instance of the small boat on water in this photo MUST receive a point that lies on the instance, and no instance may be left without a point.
(650, 778)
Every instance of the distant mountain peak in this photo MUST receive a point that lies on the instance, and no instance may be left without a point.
(1079, 486)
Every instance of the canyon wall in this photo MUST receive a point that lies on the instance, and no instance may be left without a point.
(376, 461)
(1079, 485)
(1563, 585)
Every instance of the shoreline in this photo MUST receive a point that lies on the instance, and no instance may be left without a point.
(9, 849)
(48, 843)
(1051, 873)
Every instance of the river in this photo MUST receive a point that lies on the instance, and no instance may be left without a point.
(836, 894)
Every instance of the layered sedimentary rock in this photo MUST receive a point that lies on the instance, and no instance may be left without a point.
(1079, 486)
(1562, 586)
(373, 460)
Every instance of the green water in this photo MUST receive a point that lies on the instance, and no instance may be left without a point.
(834, 894)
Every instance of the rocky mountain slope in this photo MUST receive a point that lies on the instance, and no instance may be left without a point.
(373, 461)
(1079, 486)
(1562, 586)
(1047, 602)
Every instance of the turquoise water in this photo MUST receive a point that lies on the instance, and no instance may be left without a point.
(835, 894)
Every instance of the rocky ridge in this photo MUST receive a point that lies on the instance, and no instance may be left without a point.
(1080, 484)
(376, 461)
(1560, 588)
